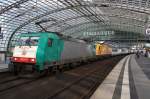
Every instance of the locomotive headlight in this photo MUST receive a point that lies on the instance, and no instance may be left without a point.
(15, 59)
(32, 59)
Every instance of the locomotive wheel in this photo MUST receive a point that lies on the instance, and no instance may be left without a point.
(11, 67)
(17, 69)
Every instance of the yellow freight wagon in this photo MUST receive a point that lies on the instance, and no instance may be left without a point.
(103, 49)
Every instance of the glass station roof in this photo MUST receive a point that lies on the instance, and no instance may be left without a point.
(74, 18)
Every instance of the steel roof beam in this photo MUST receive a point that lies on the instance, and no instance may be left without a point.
(14, 5)
(90, 11)
(78, 25)
(126, 7)
(54, 11)
(82, 16)
(96, 27)
(115, 35)
(94, 38)
(79, 11)
(37, 17)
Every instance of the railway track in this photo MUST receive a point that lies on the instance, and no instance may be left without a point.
(93, 78)
(4, 74)
(6, 77)
(16, 82)
(9, 81)
(77, 83)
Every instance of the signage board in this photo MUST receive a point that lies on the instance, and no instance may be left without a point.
(148, 31)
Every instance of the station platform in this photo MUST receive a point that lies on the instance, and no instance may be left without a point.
(130, 79)
(3, 67)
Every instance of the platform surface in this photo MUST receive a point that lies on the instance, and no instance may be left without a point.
(3, 67)
(130, 79)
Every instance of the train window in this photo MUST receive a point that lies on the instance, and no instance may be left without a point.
(50, 42)
(34, 41)
(28, 41)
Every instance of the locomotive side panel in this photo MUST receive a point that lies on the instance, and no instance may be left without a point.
(73, 50)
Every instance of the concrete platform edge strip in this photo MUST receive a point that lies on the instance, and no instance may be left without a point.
(118, 88)
(107, 88)
(142, 83)
(133, 91)
(125, 94)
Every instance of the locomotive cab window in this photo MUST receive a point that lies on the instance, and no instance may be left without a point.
(99, 48)
(28, 41)
(50, 41)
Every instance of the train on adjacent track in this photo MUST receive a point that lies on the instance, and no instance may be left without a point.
(43, 50)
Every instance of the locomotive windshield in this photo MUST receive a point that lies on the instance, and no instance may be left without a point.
(28, 41)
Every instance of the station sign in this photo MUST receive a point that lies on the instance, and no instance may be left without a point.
(148, 31)
(101, 33)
